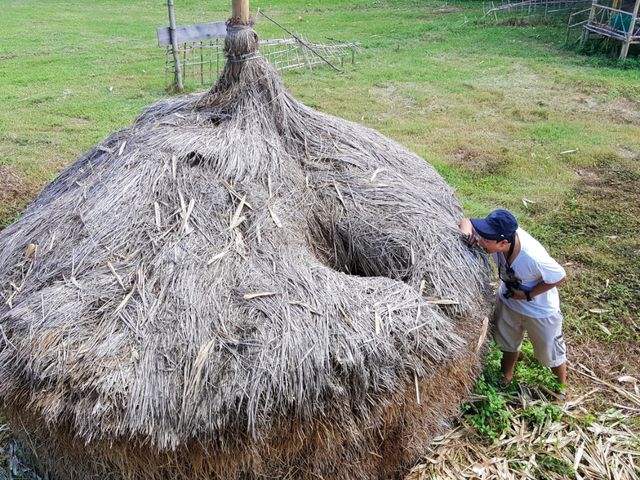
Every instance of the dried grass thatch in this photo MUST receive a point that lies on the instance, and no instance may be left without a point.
(580, 445)
(237, 286)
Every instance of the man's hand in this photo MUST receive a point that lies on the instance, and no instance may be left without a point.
(519, 295)
(537, 290)
(466, 229)
(470, 239)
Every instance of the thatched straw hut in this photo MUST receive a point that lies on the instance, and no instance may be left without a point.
(235, 287)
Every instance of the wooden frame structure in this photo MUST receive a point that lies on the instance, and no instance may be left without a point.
(530, 9)
(609, 20)
(197, 51)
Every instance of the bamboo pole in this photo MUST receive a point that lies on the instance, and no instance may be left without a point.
(174, 46)
(632, 26)
(240, 10)
(239, 14)
(585, 32)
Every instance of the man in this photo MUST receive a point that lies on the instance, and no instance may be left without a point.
(527, 299)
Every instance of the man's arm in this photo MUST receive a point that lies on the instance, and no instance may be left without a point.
(537, 290)
(552, 275)
(466, 229)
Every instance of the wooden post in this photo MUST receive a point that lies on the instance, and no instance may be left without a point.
(632, 26)
(239, 15)
(307, 60)
(217, 58)
(240, 10)
(174, 46)
(592, 13)
(201, 65)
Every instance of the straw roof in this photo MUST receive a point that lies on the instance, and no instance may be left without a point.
(237, 285)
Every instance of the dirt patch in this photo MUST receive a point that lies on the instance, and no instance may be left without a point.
(478, 162)
(529, 115)
(627, 153)
(621, 110)
(444, 10)
(405, 99)
(617, 185)
(11, 185)
(15, 193)
(587, 174)
(608, 362)
(78, 122)
(385, 91)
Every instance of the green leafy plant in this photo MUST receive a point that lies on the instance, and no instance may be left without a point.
(488, 414)
(529, 372)
(541, 413)
(548, 464)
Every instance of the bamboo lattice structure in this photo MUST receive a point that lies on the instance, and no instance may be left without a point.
(528, 9)
(204, 60)
(615, 21)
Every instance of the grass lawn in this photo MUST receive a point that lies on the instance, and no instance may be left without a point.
(507, 114)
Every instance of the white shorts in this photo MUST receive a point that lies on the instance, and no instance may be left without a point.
(545, 334)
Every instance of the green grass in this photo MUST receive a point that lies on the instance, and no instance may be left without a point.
(495, 108)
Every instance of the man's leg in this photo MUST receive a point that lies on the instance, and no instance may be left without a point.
(508, 365)
(508, 335)
(561, 373)
(548, 344)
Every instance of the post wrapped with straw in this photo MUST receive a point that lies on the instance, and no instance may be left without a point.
(237, 287)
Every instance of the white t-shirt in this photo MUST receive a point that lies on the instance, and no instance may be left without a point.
(532, 266)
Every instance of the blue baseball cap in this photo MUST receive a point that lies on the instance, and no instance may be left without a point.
(499, 225)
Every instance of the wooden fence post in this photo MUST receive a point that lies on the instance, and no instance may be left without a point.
(174, 46)
(240, 10)
(585, 32)
(632, 26)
